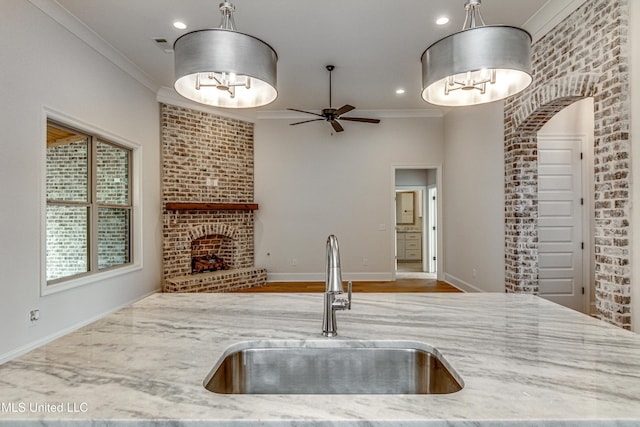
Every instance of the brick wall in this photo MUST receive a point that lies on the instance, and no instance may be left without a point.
(67, 226)
(113, 237)
(66, 242)
(67, 174)
(112, 169)
(196, 146)
(584, 56)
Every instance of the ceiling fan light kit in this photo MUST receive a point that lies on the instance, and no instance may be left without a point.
(480, 64)
(225, 68)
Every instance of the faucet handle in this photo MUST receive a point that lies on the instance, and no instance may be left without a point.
(349, 301)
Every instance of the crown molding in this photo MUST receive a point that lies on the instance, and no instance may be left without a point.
(167, 95)
(67, 20)
(548, 16)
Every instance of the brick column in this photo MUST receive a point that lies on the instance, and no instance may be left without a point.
(521, 214)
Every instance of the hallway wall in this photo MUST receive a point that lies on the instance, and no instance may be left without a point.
(473, 198)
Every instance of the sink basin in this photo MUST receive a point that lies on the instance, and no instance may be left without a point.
(332, 367)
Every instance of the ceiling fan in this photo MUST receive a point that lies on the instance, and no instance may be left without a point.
(332, 115)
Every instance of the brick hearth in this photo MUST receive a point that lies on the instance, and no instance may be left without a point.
(217, 281)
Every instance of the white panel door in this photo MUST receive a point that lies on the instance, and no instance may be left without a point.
(560, 236)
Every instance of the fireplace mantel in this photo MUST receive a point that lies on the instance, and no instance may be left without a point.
(201, 206)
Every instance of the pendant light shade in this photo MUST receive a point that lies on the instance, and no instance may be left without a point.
(477, 65)
(225, 68)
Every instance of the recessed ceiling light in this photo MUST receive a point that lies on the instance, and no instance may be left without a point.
(442, 20)
(180, 25)
(399, 91)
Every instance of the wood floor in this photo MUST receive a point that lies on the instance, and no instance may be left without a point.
(400, 285)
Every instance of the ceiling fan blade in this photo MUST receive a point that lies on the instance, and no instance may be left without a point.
(306, 121)
(306, 112)
(343, 109)
(360, 119)
(336, 126)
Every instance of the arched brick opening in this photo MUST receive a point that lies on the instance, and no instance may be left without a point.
(219, 239)
(217, 228)
(585, 55)
(521, 175)
(610, 193)
(182, 252)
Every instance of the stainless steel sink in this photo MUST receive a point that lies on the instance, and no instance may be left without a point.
(337, 367)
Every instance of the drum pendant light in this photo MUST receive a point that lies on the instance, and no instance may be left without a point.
(225, 68)
(479, 64)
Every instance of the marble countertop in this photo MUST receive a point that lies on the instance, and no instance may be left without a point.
(524, 362)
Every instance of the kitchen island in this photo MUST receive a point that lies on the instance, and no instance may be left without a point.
(523, 361)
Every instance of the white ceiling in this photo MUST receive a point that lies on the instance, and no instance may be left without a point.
(375, 45)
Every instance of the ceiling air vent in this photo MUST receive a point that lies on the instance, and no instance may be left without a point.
(163, 44)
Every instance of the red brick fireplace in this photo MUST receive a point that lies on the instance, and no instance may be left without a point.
(201, 220)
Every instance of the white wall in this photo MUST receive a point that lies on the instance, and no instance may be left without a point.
(44, 65)
(310, 184)
(414, 177)
(634, 40)
(473, 197)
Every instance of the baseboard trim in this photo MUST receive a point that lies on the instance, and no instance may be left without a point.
(38, 343)
(460, 284)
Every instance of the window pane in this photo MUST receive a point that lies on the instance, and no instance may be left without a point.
(89, 204)
(112, 175)
(113, 237)
(67, 241)
(67, 165)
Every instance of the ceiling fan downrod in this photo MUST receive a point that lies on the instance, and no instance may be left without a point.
(330, 68)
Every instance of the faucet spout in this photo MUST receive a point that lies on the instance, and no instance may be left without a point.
(333, 277)
(333, 287)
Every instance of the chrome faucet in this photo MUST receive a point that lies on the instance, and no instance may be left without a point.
(333, 287)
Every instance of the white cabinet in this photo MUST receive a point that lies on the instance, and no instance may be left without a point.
(409, 246)
(400, 246)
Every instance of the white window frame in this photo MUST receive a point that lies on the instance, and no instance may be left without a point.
(136, 202)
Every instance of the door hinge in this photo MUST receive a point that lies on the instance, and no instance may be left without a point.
(582, 245)
(581, 201)
(581, 156)
(434, 258)
(433, 228)
(583, 290)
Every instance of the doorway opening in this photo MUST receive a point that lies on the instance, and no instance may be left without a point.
(416, 209)
(565, 250)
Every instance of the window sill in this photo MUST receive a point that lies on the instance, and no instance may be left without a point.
(85, 280)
